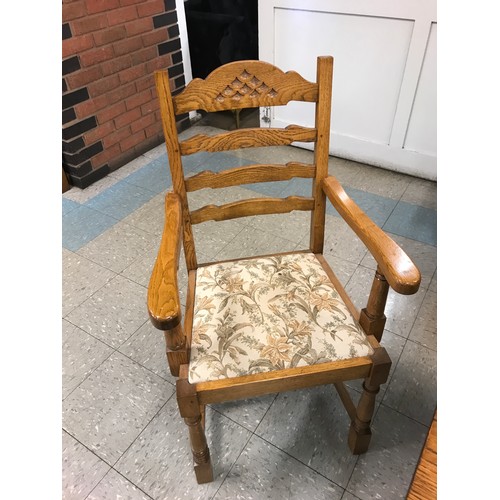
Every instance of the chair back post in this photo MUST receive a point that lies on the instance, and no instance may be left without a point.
(175, 162)
(324, 75)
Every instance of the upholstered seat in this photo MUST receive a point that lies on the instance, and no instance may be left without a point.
(269, 313)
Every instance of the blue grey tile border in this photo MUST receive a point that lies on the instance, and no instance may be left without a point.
(155, 176)
(120, 200)
(82, 225)
(68, 206)
(413, 221)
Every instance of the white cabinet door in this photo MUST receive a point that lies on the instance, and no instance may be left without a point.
(384, 89)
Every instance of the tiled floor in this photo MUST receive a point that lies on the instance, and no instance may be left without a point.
(122, 435)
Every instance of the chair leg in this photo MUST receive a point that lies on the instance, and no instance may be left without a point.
(360, 432)
(190, 410)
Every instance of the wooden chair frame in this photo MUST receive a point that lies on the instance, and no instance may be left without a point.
(238, 85)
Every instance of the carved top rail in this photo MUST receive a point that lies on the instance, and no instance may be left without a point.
(244, 84)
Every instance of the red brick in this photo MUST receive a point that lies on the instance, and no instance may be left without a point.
(131, 141)
(161, 62)
(138, 99)
(123, 3)
(110, 35)
(122, 15)
(121, 93)
(139, 26)
(144, 55)
(131, 74)
(83, 77)
(128, 117)
(98, 133)
(115, 137)
(142, 123)
(103, 157)
(96, 56)
(149, 107)
(111, 112)
(103, 85)
(127, 46)
(154, 129)
(115, 65)
(89, 24)
(145, 83)
(89, 107)
(94, 6)
(76, 45)
(72, 11)
(155, 37)
(150, 8)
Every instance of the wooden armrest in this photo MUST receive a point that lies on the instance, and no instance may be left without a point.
(399, 270)
(163, 294)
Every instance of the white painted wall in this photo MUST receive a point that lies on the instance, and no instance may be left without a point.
(384, 91)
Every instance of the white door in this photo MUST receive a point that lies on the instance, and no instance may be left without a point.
(384, 89)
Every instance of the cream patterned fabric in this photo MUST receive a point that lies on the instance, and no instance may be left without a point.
(264, 314)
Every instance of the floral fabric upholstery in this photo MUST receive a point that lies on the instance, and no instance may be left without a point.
(264, 314)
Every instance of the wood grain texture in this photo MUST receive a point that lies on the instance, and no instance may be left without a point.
(400, 271)
(244, 84)
(174, 159)
(324, 75)
(289, 379)
(249, 174)
(256, 206)
(247, 138)
(164, 306)
(424, 483)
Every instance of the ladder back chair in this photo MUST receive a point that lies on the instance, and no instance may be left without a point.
(273, 323)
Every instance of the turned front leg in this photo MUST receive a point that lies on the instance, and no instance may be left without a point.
(360, 432)
(372, 318)
(192, 413)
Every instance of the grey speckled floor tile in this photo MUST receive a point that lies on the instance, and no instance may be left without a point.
(114, 312)
(112, 406)
(424, 329)
(115, 487)
(81, 469)
(312, 426)
(402, 310)
(81, 278)
(247, 413)
(84, 195)
(165, 469)
(412, 389)
(150, 217)
(252, 242)
(343, 269)
(81, 354)
(421, 192)
(386, 470)
(341, 241)
(147, 347)
(118, 247)
(380, 181)
(265, 472)
(293, 227)
(349, 496)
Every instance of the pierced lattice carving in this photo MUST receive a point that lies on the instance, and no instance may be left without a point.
(243, 85)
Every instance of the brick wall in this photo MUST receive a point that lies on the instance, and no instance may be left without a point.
(110, 109)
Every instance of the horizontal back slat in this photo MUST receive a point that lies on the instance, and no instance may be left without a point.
(244, 84)
(255, 206)
(248, 138)
(248, 175)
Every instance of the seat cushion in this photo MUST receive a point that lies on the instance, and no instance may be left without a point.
(269, 313)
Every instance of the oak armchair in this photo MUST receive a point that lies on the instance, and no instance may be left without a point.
(269, 323)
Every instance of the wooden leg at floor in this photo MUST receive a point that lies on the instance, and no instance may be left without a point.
(193, 417)
(360, 432)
